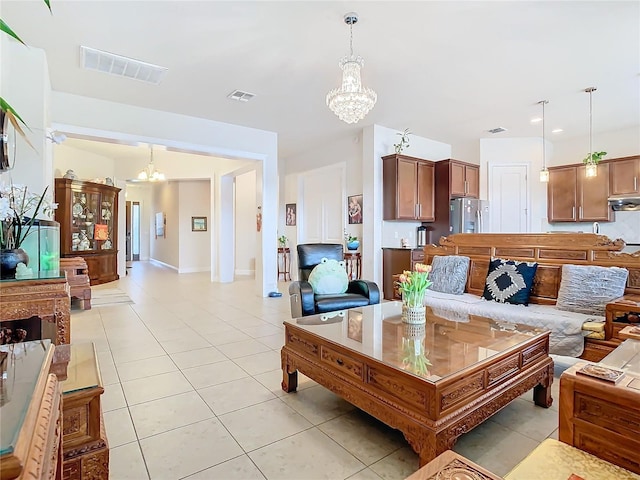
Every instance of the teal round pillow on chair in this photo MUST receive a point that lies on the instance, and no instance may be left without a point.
(329, 277)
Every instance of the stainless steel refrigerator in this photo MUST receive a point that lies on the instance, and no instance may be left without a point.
(468, 215)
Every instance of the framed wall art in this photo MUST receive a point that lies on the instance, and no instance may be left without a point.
(198, 224)
(161, 222)
(354, 209)
(290, 218)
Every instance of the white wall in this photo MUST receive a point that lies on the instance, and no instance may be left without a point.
(166, 249)
(621, 143)
(194, 248)
(497, 151)
(25, 86)
(86, 165)
(142, 193)
(245, 223)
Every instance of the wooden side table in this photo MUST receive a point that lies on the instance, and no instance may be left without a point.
(600, 417)
(627, 309)
(284, 263)
(353, 264)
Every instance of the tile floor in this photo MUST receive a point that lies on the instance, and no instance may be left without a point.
(192, 390)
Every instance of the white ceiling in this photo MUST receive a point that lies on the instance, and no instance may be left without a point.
(447, 70)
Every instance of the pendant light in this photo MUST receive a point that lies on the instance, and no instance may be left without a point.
(591, 169)
(544, 173)
(351, 101)
(149, 173)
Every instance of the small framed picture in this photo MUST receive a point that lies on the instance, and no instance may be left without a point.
(161, 222)
(198, 224)
(354, 209)
(290, 214)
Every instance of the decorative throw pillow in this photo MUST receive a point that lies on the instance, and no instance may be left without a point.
(329, 277)
(449, 274)
(588, 288)
(509, 281)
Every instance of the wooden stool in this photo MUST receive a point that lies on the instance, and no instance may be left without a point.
(78, 279)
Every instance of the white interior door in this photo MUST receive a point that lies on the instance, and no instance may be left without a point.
(322, 198)
(509, 198)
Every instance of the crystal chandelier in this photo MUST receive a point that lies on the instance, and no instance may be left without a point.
(149, 173)
(351, 102)
(544, 173)
(591, 169)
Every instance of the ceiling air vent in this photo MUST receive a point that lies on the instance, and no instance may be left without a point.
(93, 59)
(497, 130)
(241, 96)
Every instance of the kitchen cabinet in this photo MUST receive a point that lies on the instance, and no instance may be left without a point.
(464, 179)
(624, 176)
(572, 197)
(408, 188)
(88, 217)
(454, 179)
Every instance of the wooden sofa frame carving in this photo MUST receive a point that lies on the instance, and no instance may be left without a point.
(551, 251)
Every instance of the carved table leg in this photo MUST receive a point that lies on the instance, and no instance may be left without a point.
(289, 378)
(424, 443)
(542, 391)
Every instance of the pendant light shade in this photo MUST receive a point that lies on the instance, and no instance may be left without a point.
(544, 173)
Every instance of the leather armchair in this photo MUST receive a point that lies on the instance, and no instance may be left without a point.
(304, 302)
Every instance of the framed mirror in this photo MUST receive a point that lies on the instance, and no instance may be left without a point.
(7, 143)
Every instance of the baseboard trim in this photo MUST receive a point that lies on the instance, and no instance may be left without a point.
(158, 262)
(245, 272)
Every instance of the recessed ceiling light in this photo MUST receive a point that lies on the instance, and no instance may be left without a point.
(557, 130)
(536, 120)
(497, 130)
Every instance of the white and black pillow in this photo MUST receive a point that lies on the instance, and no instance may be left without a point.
(509, 281)
(588, 288)
(449, 273)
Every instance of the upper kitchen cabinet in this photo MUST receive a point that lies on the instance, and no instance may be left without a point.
(625, 176)
(408, 184)
(572, 197)
(460, 179)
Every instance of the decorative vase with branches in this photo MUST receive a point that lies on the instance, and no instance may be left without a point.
(404, 141)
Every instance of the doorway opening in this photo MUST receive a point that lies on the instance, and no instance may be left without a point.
(132, 232)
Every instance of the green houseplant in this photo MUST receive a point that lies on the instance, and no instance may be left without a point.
(594, 157)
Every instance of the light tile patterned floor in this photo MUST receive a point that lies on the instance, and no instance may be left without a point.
(192, 390)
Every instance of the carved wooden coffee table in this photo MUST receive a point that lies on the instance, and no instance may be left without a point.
(433, 383)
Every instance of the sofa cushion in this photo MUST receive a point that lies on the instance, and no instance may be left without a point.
(588, 288)
(329, 277)
(554, 460)
(509, 281)
(449, 273)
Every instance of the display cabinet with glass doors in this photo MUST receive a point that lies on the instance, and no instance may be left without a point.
(88, 217)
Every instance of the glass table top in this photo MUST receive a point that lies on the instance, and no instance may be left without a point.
(625, 357)
(20, 368)
(82, 370)
(448, 343)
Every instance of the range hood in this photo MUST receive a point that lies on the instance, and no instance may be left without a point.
(625, 203)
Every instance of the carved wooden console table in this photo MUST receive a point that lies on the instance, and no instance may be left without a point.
(46, 299)
(432, 382)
